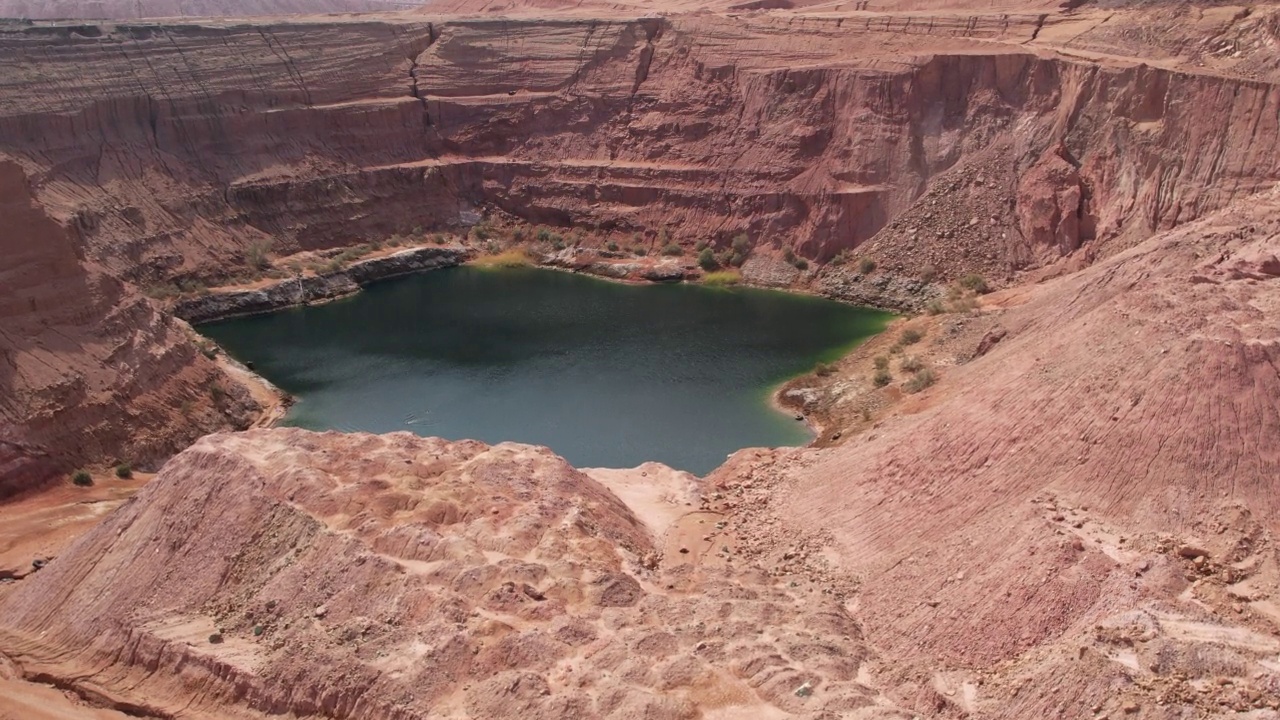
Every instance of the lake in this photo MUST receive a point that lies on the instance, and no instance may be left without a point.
(605, 374)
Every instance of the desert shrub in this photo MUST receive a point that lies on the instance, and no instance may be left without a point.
(801, 264)
(640, 251)
(256, 255)
(964, 304)
(919, 381)
(672, 249)
(508, 259)
(910, 336)
(866, 266)
(700, 245)
(482, 230)
(911, 363)
(882, 362)
(543, 235)
(440, 239)
(976, 283)
(737, 258)
(82, 478)
(881, 378)
(722, 278)
(928, 273)
(208, 350)
(519, 234)
(707, 260)
(612, 246)
(215, 638)
(935, 307)
(417, 230)
(824, 369)
(217, 392)
(789, 256)
(557, 242)
(124, 471)
(741, 244)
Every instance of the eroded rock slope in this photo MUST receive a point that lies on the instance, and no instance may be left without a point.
(358, 576)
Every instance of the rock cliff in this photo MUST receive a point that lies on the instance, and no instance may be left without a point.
(89, 372)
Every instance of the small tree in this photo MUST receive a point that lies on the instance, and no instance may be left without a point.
(256, 255)
(707, 260)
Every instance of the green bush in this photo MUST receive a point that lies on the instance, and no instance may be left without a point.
(707, 260)
(881, 378)
(722, 278)
(920, 381)
(737, 258)
(910, 336)
(124, 471)
(82, 478)
(867, 266)
(543, 235)
(612, 246)
(741, 244)
(700, 245)
(882, 362)
(801, 264)
(976, 283)
(789, 256)
(672, 249)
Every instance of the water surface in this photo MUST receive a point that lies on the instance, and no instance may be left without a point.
(605, 374)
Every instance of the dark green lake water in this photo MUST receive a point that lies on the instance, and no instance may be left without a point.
(606, 375)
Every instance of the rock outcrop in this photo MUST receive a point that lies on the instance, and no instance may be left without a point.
(220, 305)
(357, 576)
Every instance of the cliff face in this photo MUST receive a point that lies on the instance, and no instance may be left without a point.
(89, 371)
(810, 132)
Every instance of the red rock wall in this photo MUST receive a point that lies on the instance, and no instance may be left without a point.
(88, 371)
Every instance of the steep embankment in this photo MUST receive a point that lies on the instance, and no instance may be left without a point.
(1085, 514)
(88, 371)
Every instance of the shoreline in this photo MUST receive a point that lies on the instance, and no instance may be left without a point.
(232, 302)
